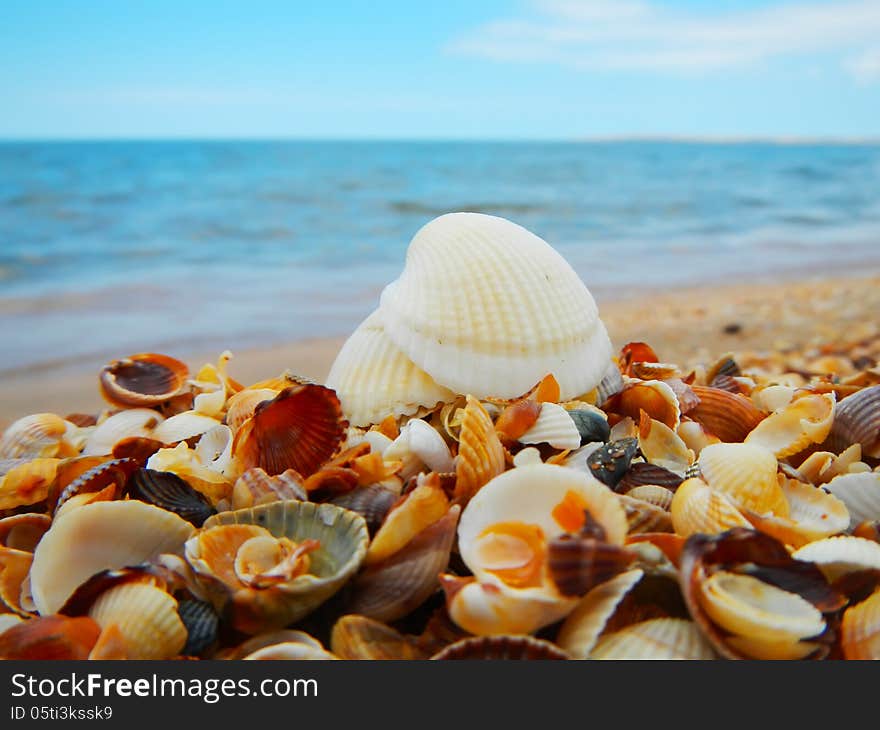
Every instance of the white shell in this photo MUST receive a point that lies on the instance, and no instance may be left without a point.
(419, 445)
(131, 422)
(373, 378)
(837, 556)
(554, 427)
(659, 638)
(860, 492)
(214, 449)
(183, 426)
(488, 308)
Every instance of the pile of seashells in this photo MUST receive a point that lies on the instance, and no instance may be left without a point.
(479, 478)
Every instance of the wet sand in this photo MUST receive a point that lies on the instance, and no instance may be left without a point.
(686, 326)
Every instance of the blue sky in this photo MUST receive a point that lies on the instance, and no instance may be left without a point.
(454, 69)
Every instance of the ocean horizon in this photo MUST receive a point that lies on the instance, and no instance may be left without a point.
(124, 245)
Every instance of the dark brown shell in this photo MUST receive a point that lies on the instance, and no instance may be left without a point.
(114, 473)
(856, 420)
(168, 491)
(372, 502)
(728, 416)
(300, 429)
(502, 647)
(146, 379)
(579, 563)
(136, 447)
(642, 473)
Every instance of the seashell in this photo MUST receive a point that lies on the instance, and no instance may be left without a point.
(591, 426)
(183, 426)
(214, 385)
(860, 629)
(642, 474)
(653, 494)
(139, 422)
(254, 487)
(50, 637)
(241, 406)
(837, 556)
(578, 563)
(660, 638)
(14, 568)
(419, 447)
(106, 535)
(8, 620)
(201, 624)
(610, 462)
(654, 397)
(146, 617)
(805, 421)
(420, 508)
(642, 516)
(215, 551)
(772, 398)
(583, 626)
(269, 638)
(725, 415)
(695, 437)
(28, 483)
(31, 437)
(299, 429)
(653, 370)
(725, 365)
(464, 270)
(697, 508)
(359, 637)
(662, 446)
(518, 418)
(391, 589)
(860, 492)
(822, 466)
(480, 454)
(137, 448)
(214, 449)
(23, 531)
(501, 647)
(746, 474)
(554, 427)
(576, 459)
(625, 428)
(374, 378)
(185, 462)
(168, 491)
(145, 379)
(113, 474)
(857, 421)
(290, 651)
(610, 385)
(632, 352)
(372, 502)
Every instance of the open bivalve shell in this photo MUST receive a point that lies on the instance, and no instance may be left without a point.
(485, 307)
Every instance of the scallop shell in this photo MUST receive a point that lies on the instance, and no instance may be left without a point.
(860, 492)
(480, 454)
(660, 638)
(359, 637)
(420, 448)
(168, 491)
(837, 556)
(822, 466)
(610, 385)
(488, 308)
(805, 421)
(299, 429)
(374, 379)
(554, 427)
(38, 435)
(241, 406)
(860, 629)
(342, 544)
(501, 648)
(643, 516)
(145, 379)
(857, 421)
(697, 508)
(746, 474)
(113, 474)
(391, 589)
(653, 494)
(584, 625)
(146, 617)
(269, 638)
(14, 568)
(140, 422)
(729, 417)
(255, 487)
(103, 535)
(50, 637)
(215, 450)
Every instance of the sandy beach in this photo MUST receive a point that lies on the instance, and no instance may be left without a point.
(686, 326)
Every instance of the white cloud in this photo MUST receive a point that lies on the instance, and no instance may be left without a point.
(866, 67)
(604, 34)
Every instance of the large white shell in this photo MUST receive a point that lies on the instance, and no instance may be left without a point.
(100, 536)
(860, 492)
(488, 308)
(374, 379)
(131, 422)
(554, 427)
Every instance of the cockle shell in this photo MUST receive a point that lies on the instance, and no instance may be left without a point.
(501, 648)
(746, 474)
(860, 492)
(554, 427)
(822, 466)
(697, 508)
(374, 378)
(290, 651)
(255, 487)
(372, 502)
(341, 537)
(480, 453)
(857, 420)
(725, 415)
(660, 638)
(167, 490)
(804, 421)
(837, 556)
(38, 435)
(28, 483)
(140, 422)
(241, 406)
(359, 637)
(145, 379)
(860, 629)
(97, 537)
(488, 308)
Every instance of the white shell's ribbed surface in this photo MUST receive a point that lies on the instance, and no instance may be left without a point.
(659, 638)
(373, 378)
(555, 427)
(860, 493)
(837, 556)
(488, 308)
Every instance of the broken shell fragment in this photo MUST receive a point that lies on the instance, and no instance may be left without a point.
(804, 421)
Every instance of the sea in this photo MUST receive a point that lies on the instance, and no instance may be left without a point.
(114, 247)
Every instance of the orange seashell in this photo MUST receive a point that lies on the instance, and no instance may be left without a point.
(14, 568)
(860, 629)
(146, 379)
(654, 397)
(422, 507)
(635, 352)
(729, 417)
(547, 391)
(28, 483)
(255, 487)
(50, 637)
(359, 637)
(480, 454)
(299, 429)
(388, 427)
(285, 380)
(110, 645)
(667, 542)
(240, 407)
(517, 418)
(138, 448)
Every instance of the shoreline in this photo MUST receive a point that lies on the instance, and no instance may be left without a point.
(684, 325)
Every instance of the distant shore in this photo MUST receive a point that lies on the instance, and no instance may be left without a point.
(687, 325)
